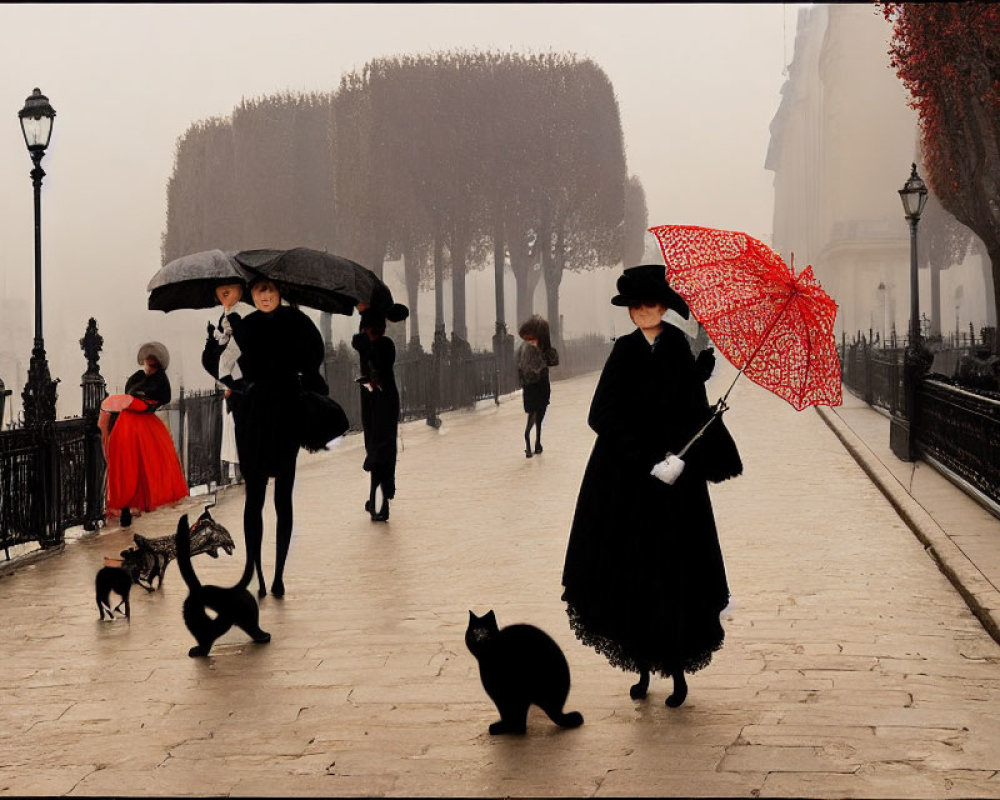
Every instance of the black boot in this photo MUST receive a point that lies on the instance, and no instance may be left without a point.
(126, 518)
(638, 690)
(680, 690)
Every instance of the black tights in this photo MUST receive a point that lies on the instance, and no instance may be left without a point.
(534, 420)
(253, 522)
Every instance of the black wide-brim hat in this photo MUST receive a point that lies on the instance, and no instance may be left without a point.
(647, 283)
(382, 308)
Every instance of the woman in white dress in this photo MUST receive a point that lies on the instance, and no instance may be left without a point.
(220, 360)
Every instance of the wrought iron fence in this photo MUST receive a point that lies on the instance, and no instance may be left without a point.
(874, 374)
(53, 476)
(21, 470)
(956, 430)
(447, 378)
(52, 473)
(961, 430)
(195, 423)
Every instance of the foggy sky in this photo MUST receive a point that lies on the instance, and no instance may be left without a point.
(697, 87)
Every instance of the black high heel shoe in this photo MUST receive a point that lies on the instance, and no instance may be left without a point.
(538, 448)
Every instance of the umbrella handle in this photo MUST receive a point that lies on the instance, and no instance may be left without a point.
(719, 408)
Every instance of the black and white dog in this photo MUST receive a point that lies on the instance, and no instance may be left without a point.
(148, 559)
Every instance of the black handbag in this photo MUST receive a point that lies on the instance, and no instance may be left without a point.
(721, 457)
(318, 419)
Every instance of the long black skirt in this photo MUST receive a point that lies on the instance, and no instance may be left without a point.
(644, 576)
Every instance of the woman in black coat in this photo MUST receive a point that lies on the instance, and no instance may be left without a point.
(379, 400)
(281, 352)
(644, 576)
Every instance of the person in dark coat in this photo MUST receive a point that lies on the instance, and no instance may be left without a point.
(379, 399)
(644, 579)
(281, 351)
(534, 357)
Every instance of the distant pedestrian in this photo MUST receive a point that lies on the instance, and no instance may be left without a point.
(534, 357)
(220, 358)
(144, 472)
(280, 354)
(644, 576)
(379, 399)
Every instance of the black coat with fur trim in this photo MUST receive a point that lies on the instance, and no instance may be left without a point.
(154, 387)
(644, 576)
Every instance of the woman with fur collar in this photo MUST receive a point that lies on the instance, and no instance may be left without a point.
(644, 576)
(534, 357)
(144, 472)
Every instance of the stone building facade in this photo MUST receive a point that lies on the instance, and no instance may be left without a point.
(842, 142)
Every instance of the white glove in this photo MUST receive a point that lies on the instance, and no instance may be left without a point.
(668, 470)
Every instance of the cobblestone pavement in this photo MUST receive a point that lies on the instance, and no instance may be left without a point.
(852, 667)
(961, 534)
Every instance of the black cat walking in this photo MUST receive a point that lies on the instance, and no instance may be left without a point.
(520, 665)
(229, 605)
(113, 579)
(379, 398)
(644, 575)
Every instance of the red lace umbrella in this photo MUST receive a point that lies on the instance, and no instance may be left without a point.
(774, 325)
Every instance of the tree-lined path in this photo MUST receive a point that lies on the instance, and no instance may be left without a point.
(851, 666)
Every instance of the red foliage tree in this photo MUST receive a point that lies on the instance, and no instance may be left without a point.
(948, 57)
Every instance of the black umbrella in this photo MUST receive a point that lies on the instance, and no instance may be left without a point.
(190, 281)
(313, 278)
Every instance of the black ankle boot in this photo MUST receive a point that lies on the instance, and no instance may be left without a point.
(126, 518)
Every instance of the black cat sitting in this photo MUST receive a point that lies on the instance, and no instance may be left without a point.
(520, 665)
(232, 605)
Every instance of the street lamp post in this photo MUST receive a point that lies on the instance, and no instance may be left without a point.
(39, 393)
(503, 342)
(884, 309)
(902, 434)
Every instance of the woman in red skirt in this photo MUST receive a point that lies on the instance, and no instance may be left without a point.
(143, 470)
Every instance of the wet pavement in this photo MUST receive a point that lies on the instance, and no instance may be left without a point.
(852, 664)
